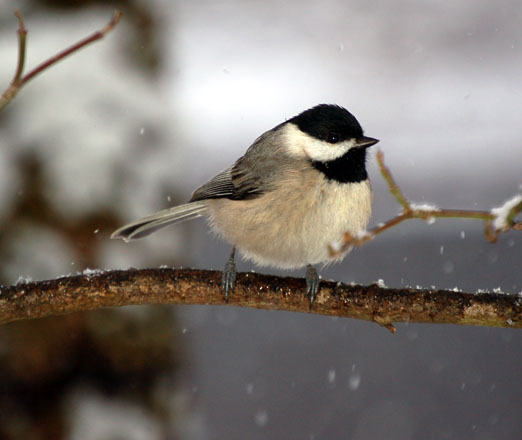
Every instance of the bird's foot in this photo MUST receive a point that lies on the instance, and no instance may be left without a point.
(228, 280)
(312, 283)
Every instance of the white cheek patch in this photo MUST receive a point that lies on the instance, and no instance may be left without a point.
(303, 145)
(322, 151)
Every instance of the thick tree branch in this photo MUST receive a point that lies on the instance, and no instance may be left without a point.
(170, 286)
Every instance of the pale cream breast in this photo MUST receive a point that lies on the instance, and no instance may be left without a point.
(305, 215)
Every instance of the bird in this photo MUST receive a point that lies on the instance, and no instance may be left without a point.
(294, 193)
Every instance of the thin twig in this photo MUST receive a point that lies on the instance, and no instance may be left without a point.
(14, 87)
(186, 286)
(19, 81)
(22, 36)
(412, 211)
(392, 185)
(75, 47)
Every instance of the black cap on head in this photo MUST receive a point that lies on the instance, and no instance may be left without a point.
(328, 122)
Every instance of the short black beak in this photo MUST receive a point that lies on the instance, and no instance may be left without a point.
(365, 142)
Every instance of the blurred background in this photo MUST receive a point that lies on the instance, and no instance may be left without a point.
(176, 93)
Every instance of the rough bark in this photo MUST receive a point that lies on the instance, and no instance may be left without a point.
(186, 286)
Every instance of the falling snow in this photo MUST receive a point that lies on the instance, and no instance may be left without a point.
(354, 381)
(261, 418)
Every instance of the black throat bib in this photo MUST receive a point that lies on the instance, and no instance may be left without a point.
(350, 168)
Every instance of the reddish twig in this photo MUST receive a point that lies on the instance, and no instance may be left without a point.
(429, 214)
(22, 34)
(13, 88)
(19, 81)
(75, 47)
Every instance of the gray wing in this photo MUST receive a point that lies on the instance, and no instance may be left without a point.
(220, 186)
(235, 183)
(252, 175)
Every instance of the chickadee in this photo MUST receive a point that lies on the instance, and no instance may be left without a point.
(299, 187)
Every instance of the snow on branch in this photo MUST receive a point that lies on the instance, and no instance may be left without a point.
(505, 214)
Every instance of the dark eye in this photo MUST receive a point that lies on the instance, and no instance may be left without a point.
(333, 138)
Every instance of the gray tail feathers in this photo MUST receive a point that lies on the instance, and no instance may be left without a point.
(147, 225)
